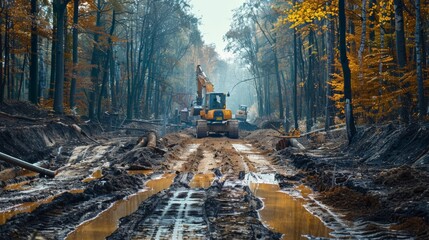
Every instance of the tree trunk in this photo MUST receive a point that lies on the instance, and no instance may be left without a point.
(279, 85)
(95, 70)
(330, 107)
(421, 95)
(106, 67)
(309, 85)
(54, 47)
(351, 129)
(129, 95)
(59, 79)
(295, 81)
(34, 62)
(401, 56)
(22, 76)
(7, 53)
(74, 53)
(42, 73)
(2, 82)
(362, 36)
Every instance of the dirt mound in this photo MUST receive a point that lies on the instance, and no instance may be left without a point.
(265, 139)
(392, 145)
(173, 139)
(142, 158)
(114, 180)
(346, 199)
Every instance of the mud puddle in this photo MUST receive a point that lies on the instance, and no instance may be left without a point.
(139, 172)
(202, 180)
(107, 222)
(284, 212)
(97, 174)
(29, 207)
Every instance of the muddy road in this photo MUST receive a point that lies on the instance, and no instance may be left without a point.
(190, 189)
(184, 188)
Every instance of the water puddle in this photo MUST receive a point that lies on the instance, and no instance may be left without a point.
(107, 222)
(286, 214)
(27, 173)
(97, 174)
(202, 180)
(139, 172)
(17, 186)
(29, 207)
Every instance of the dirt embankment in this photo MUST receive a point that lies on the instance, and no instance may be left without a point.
(32, 134)
(382, 177)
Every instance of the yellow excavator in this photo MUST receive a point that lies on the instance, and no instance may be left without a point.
(211, 107)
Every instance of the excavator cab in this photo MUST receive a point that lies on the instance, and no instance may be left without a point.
(216, 101)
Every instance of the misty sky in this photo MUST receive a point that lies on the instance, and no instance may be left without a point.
(215, 17)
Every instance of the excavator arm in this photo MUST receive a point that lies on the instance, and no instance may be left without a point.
(203, 83)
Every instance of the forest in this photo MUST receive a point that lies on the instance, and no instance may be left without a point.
(136, 59)
(121, 119)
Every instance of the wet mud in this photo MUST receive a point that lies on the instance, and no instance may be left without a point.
(109, 186)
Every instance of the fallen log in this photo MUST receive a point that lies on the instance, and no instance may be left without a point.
(295, 143)
(142, 142)
(79, 130)
(26, 165)
(151, 140)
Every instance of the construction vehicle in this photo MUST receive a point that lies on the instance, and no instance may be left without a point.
(211, 107)
(241, 114)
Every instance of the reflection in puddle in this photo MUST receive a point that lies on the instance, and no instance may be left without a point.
(16, 186)
(285, 214)
(107, 222)
(139, 172)
(202, 180)
(97, 174)
(29, 207)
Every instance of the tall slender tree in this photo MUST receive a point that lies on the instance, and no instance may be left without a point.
(419, 63)
(401, 56)
(74, 53)
(59, 77)
(34, 61)
(351, 128)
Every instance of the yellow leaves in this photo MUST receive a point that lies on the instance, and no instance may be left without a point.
(310, 11)
(384, 10)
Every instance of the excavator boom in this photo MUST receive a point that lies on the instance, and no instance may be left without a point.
(203, 83)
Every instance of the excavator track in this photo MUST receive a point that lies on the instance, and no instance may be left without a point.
(233, 129)
(201, 129)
